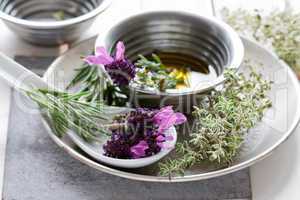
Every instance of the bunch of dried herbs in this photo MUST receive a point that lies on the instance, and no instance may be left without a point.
(221, 122)
(278, 30)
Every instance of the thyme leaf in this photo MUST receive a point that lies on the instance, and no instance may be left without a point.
(279, 30)
(221, 122)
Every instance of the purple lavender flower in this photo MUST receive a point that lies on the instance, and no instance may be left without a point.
(141, 119)
(120, 69)
(161, 139)
(139, 150)
(118, 146)
(144, 135)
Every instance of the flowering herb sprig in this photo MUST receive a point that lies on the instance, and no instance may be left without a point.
(278, 30)
(221, 122)
(144, 133)
(108, 77)
(105, 77)
(120, 69)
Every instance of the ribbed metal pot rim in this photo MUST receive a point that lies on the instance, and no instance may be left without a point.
(234, 37)
(54, 25)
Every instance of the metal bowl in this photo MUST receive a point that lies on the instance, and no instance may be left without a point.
(207, 39)
(50, 22)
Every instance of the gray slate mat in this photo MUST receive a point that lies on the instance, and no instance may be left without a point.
(37, 169)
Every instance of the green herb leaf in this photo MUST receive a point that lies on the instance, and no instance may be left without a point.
(279, 30)
(153, 74)
(96, 87)
(71, 111)
(221, 122)
(59, 15)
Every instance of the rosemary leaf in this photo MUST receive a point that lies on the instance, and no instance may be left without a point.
(92, 82)
(96, 87)
(71, 111)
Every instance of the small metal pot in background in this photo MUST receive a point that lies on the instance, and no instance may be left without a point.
(50, 22)
(207, 39)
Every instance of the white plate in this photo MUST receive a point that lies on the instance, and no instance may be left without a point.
(277, 125)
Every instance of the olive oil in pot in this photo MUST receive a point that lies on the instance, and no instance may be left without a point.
(193, 71)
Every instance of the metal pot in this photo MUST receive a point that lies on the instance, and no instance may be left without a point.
(207, 39)
(50, 22)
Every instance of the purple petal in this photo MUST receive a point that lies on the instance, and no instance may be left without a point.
(165, 146)
(160, 138)
(167, 123)
(169, 138)
(167, 109)
(120, 53)
(101, 57)
(101, 52)
(161, 141)
(180, 118)
(138, 150)
(160, 144)
(91, 60)
(163, 115)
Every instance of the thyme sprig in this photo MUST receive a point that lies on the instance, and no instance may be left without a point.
(71, 111)
(278, 30)
(221, 122)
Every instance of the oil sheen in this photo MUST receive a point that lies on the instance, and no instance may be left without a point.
(194, 71)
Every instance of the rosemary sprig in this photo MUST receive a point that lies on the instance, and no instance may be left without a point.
(71, 111)
(279, 30)
(91, 80)
(96, 87)
(221, 122)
